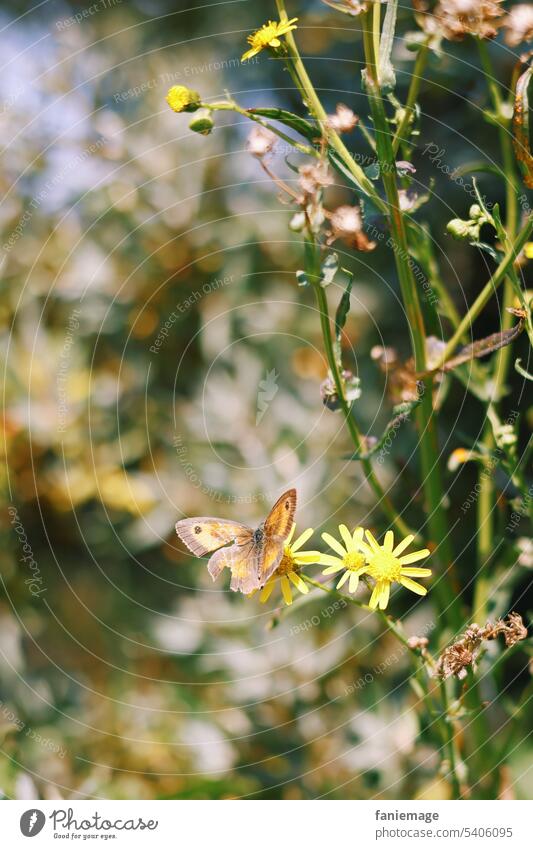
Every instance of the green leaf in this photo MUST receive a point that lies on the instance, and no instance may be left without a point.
(521, 140)
(306, 129)
(344, 306)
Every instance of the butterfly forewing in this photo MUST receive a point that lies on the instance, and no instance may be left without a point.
(276, 529)
(204, 534)
(280, 520)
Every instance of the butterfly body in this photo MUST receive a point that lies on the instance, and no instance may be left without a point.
(251, 555)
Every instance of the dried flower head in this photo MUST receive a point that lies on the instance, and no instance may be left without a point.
(343, 120)
(519, 24)
(512, 628)
(347, 224)
(260, 141)
(313, 178)
(457, 18)
(455, 660)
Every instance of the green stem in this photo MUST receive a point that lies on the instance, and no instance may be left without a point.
(450, 742)
(412, 97)
(357, 439)
(488, 290)
(319, 113)
(429, 448)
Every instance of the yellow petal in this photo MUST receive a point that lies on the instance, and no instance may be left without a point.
(307, 557)
(413, 586)
(373, 541)
(343, 580)
(416, 572)
(285, 589)
(346, 537)
(388, 543)
(334, 544)
(266, 592)
(249, 53)
(374, 598)
(384, 595)
(331, 560)
(301, 539)
(274, 42)
(414, 556)
(358, 536)
(291, 534)
(298, 583)
(332, 569)
(353, 582)
(403, 544)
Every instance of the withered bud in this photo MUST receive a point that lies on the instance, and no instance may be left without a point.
(313, 178)
(519, 24)
(260, 141)
(419, 643)
(455, 660)
(347, 224)
(457, 18)
(343, 120)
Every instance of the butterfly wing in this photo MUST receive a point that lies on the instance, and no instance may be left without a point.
(276, 529)
(203, 534)
(242, 560)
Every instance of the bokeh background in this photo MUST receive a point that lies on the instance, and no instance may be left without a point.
(148, 295)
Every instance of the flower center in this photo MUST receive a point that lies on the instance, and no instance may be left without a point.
(384, 567)
(353, 561)
(287, 562)
(264, 36)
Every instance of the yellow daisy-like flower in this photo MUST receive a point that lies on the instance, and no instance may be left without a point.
(528, 250)
(183, 99)
(350, 557)
(268, 36)
(287, 571)
(385, 566)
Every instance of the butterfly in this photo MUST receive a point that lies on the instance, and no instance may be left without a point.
(254, 555)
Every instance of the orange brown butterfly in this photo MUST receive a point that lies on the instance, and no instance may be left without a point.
(251, 555)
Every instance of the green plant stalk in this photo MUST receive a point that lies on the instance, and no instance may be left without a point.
(450, 742)
(488, 290)
(325, 323)
(419, 677)
(429, 448)
(313, 103)
(486, 500)
(412, 97)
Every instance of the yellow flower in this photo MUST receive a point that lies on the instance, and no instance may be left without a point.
(385, 566)
(528, 250)
(287, 571)
(183, 99)
(350, 557)
(268, 36)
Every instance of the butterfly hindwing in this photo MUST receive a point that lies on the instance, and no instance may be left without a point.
(204, 534)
